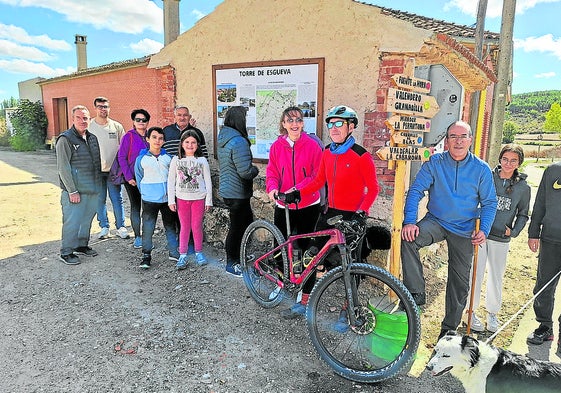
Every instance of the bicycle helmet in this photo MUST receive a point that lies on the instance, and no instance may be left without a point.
(342, 112)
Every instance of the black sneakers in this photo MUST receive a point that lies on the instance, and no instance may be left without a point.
(541, 334)
(69, 259)
(420, 298)
(146, 259)
(85, 250)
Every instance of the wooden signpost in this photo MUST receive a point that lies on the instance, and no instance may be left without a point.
(411, 109)
(407, 138)
(407, 82)
(411, 103)
(404, 153)
(408, 123)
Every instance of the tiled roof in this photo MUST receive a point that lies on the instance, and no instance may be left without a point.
(103, 68)
(438, 26)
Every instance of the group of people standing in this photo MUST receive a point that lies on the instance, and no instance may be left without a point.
(178, 187)
(462, 188)
(166, 171)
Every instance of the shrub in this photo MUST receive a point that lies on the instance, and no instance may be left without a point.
(30, 126)
(4, 134)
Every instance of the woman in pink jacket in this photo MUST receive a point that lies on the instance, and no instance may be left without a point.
(294, 161)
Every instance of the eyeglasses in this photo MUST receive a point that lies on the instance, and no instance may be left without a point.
(294, 120)
(102, 106)
(506, 161)
(338, 124)
(140, 120)
(462, 137)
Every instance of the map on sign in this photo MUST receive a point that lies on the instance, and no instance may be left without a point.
(269, 104)
(265, 90)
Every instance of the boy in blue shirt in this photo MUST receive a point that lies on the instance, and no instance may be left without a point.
(151, 171)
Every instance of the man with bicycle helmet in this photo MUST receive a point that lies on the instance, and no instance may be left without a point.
(352, 186)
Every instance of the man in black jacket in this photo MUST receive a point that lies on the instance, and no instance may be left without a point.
(79, 168)
(544, 234)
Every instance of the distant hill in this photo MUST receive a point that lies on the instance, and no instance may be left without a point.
(527, 110)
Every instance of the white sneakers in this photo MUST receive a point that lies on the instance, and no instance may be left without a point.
(477, 326)
(122, 232)
(104, 233)
(492, 323)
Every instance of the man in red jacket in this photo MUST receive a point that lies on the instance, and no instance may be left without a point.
(352, 186)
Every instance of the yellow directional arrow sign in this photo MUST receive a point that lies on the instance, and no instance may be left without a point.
(408, 153)
(408, 123)
(407, 138)
(411, 103)
(411, 83)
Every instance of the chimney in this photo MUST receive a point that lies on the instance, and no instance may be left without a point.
(81, 53)
(171, 21)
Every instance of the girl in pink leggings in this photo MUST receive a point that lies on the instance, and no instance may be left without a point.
(190, 195)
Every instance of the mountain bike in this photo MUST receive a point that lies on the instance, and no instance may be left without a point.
(361, 319)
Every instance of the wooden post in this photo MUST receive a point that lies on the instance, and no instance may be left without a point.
(397, 219)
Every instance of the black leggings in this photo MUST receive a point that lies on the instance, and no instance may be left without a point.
(301, 221)
(241, 216)
(135, 201)
(320, 242)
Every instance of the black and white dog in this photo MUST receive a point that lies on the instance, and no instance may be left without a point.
(482, 368)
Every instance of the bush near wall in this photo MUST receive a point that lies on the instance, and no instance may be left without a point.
(30, 126)
(4, 134)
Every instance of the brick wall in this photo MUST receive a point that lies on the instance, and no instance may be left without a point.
(127, 89)
(377, 134)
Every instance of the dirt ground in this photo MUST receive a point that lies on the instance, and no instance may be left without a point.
(108, 326)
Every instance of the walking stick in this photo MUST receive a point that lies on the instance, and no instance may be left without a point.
(473, 276)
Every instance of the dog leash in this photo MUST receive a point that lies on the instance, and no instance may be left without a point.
(504, 325)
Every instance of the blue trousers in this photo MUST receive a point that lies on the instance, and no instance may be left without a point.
(116, 197)
(76, 221)
(150, 212)
(460, 258)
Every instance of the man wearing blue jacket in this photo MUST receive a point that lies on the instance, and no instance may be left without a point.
(460, 189)
(151, 172)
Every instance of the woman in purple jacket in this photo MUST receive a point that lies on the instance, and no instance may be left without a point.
(131, 145)
(294, 160)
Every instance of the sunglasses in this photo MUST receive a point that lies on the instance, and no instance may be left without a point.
(338, 123)
(140, 120)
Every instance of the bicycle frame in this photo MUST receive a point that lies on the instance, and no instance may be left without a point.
(336, 239)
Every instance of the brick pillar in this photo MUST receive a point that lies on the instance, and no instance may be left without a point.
(168, 94)
(376, 133)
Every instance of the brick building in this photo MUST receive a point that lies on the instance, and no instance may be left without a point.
(361, 47)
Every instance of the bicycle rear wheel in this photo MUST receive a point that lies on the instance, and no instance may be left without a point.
(259, 239)
(387, 335)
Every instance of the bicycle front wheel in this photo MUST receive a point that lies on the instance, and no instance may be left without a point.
(259, 239)
(384, 339)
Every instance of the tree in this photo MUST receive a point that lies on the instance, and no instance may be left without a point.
(553, 119)
(509, 130)
(10, 103)
(30, 126)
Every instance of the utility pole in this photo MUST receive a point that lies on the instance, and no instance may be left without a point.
(479, 37)
(504, 78)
